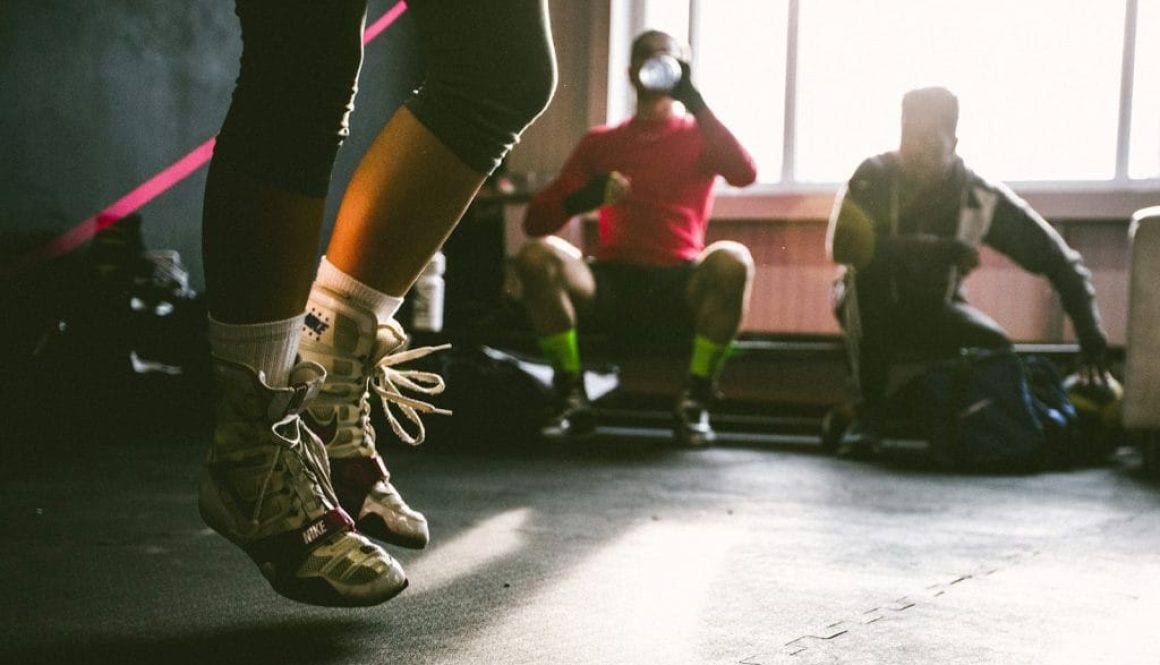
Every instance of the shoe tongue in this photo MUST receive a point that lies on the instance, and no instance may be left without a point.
(306, 373)
(352, 449)
(305, 382)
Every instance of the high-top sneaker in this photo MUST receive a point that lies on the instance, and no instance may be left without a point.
(266, 488)
(571, 414)
(691, 415)
(360, 355)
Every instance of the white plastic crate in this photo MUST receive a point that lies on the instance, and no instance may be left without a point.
(1142, 367)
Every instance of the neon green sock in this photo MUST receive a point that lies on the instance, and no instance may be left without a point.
(708, 357)
(562, 350)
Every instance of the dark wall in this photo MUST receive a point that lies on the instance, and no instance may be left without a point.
(96, 96)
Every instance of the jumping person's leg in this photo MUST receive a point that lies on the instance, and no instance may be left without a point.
(491, 71)
(718, 295)
(266, 485)
(556, 283)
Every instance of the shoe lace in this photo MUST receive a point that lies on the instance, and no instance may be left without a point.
(388, 382)
(310, 451)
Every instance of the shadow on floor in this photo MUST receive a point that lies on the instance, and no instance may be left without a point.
(314, 641)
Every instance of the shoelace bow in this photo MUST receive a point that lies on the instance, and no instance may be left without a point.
(313, 456)
(388, 382)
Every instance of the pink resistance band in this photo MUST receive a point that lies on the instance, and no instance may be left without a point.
(153, 187)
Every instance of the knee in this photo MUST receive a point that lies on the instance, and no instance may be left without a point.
(974, 328)
(729, 267)
(480, 109)
(521, 93)
(515, 79)
(536, 261)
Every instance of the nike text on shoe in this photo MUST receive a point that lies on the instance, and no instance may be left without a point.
(266, 488)
(362, 356)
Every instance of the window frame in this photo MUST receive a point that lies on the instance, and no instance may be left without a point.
(1114, 199)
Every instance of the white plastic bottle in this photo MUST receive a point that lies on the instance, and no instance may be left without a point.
(427, 296)
(660, 73)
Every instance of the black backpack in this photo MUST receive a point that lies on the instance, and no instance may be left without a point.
(980, 414)
(1063, 440)
(991, 411)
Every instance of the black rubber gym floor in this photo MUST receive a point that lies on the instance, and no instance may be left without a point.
(617, 550)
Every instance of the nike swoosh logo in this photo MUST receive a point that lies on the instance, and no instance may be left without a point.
(324, 430)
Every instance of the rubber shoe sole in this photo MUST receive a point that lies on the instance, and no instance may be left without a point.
(311, 590)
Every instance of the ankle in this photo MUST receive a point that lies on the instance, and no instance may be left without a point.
(701, 388)
(566, 383)
(268, 348)
(356, 293)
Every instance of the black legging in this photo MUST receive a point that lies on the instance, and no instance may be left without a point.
(491, 71)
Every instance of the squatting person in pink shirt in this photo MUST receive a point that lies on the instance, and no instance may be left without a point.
(653, 279)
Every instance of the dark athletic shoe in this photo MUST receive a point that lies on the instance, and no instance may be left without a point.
(691, 427)
(861, 440)
(571, 414)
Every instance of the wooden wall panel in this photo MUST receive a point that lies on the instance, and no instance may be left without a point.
(1107, 253)
(791, 291)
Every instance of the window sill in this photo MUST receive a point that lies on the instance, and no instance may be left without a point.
(1082, 201)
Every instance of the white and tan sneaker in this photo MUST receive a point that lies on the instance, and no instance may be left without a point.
(266, 488)
(361, 355)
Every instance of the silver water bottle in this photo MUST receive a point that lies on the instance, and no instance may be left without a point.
(660, 73)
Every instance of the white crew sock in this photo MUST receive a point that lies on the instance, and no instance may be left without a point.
(355, 292)
(269, 347)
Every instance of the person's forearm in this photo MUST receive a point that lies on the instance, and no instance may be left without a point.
(546, 213)
(589, 197)
(1030, 241)
(1072, 282)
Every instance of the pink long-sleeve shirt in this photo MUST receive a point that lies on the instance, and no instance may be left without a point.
(671, 165)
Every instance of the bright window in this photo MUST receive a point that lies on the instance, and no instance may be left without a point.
(1144, 161)
(671, 16)
(1038, 98)
(1039, 81)
(741, 71)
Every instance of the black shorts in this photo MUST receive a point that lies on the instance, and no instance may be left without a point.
(642, 307)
